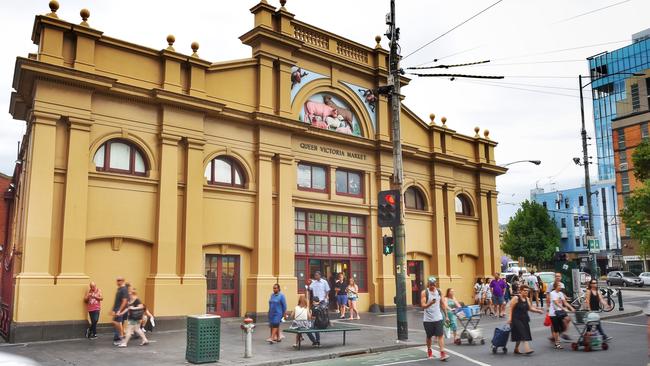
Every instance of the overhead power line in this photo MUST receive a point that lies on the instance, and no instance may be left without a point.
(447, 56)
(452, 29)
(447, 66)
(561, 50)
(592, 11)
(457, 76)
(534, 62)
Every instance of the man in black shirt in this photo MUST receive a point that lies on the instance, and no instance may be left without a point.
(121, 299)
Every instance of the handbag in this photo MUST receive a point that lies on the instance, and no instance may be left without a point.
(560, 313)
(547, 320)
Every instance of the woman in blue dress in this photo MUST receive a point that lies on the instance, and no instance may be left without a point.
(277, 311)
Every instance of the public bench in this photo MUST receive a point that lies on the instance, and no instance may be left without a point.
(332, 329)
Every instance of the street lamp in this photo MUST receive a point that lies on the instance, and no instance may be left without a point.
(585, 160)
(536, 162)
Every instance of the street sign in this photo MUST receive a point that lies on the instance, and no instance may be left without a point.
(583, 217)
(593, 244)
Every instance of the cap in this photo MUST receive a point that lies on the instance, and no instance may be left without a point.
(431, 280)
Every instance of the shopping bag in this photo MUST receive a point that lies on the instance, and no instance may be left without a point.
(447, 330)
(547, 320)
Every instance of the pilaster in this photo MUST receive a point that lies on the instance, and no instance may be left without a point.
(284, 246)
(284, 89)
(261, 278)
(73, 246)
(385, 271)
(485, 256)
(266, 88)
(193, 279)
(85, 47)
(163, 282)
(438, 263)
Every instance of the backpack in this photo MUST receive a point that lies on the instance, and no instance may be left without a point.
(321, 317)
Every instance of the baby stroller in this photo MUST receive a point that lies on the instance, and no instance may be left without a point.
(469, 318)
(588, 340)
(500, 339)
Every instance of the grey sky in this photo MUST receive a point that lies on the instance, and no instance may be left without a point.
(528, 125)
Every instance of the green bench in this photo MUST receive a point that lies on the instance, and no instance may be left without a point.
(334, 329)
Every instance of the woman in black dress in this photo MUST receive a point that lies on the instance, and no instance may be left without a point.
(519, 319)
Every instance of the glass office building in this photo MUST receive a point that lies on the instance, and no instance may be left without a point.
(609, 71)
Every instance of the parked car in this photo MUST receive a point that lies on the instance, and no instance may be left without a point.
(623, 278)
(645, 277)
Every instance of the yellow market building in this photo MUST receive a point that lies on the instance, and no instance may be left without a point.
(203, 183)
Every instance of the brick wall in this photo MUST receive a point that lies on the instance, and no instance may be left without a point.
(4, 185)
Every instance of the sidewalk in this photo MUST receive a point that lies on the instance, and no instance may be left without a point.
(168, 348)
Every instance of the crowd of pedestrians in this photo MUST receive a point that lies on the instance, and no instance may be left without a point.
(127, 307)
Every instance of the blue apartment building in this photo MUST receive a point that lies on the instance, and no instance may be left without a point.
(568, 208)
(608, 71)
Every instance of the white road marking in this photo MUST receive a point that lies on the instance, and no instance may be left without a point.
(383, 315)
(621, 323)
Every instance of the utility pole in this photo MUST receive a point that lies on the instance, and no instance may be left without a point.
(398, 176)
(585, 161)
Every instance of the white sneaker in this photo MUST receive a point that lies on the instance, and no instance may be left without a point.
(122, 345)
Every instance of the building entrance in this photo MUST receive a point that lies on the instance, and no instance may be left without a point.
(415, 274)
(222, 274)
(329, 269)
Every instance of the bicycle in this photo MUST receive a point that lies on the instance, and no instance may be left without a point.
(607, 294)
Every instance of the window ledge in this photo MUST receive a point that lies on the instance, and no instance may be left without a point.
(466, 218)
(123, 177)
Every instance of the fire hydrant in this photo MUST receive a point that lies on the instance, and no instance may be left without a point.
(248, 327)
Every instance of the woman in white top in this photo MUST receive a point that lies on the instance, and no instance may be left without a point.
(302, 319)
(557, 312)
(477, 291)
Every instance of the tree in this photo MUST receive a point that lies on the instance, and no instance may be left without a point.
(636, 216)
(531, 234)
(641, 160)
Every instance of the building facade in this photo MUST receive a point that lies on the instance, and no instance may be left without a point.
(568, 208)
(628, 130)
(609, 72)
(206, 183)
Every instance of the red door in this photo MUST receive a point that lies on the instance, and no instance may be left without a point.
(222, 273)
(415, 273)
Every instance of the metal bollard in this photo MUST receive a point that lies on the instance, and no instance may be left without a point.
(620, 299)
(248, 327)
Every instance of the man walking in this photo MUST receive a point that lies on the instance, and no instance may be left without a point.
(121, 299)
(320, 289)
(498, 288)
(534, 287)
(433, 317)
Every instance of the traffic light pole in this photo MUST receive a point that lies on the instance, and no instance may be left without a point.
(398, 179)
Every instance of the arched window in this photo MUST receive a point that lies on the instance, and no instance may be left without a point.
(224, 170)
(120, 156)
(414, 199)
(463, 205)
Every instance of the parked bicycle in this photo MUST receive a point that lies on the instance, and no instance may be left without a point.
(608, 295)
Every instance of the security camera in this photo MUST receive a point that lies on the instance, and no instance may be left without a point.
(576, 161)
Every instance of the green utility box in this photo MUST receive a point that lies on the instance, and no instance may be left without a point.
(203, 338)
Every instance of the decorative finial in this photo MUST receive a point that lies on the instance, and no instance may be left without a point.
(85, 14)
(432, 117)
(170, 41)
(378, 40)
(486, 133)
(282, 3)
(195, 47)
(54, 6)
(444, 120)
(476, 130)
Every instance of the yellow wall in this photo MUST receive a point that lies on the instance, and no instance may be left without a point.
(79, 224)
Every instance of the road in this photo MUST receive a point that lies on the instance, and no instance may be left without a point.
(629, 346)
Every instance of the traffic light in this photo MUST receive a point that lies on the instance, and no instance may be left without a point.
(388, 214)
(388, 245)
